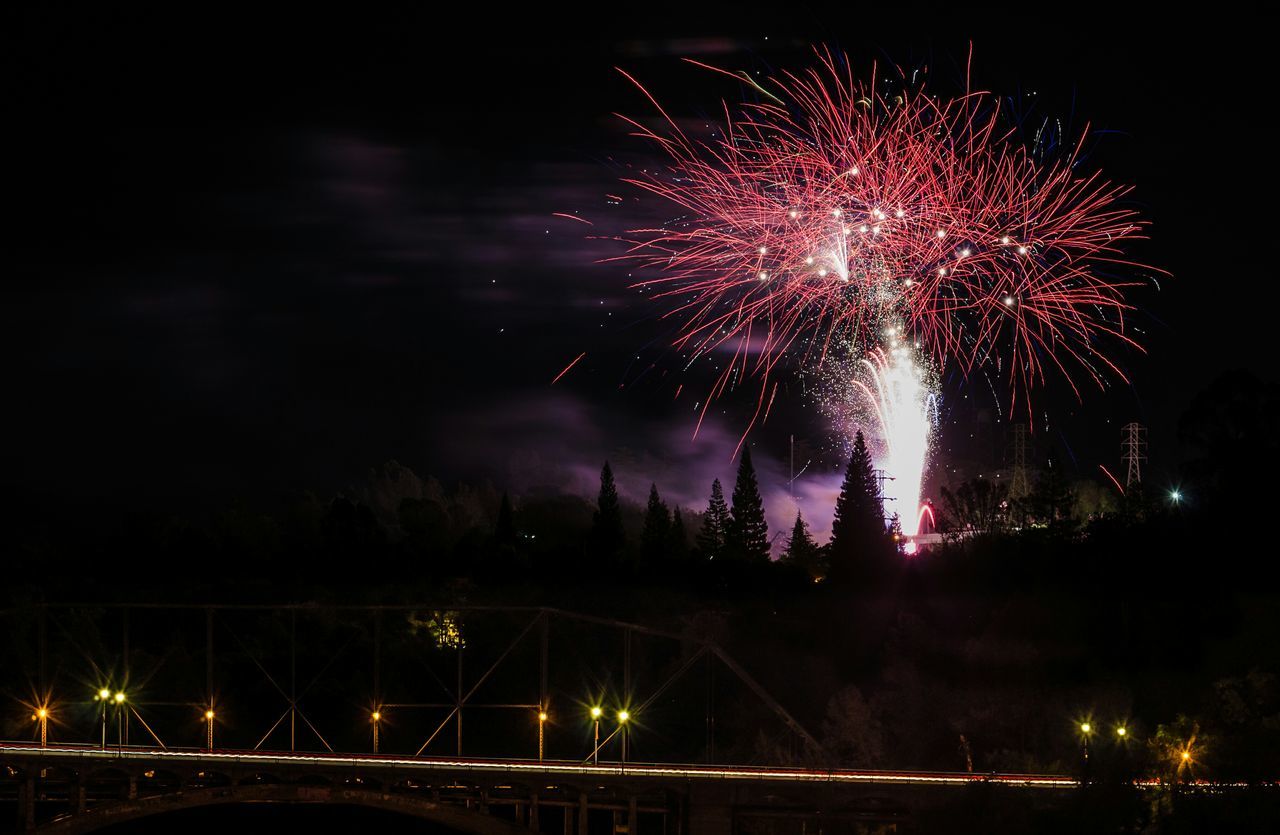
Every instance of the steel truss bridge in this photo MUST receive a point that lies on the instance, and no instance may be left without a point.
(120, 712)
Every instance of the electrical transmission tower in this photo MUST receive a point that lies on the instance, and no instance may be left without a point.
(1134, 444)
(1019, 486)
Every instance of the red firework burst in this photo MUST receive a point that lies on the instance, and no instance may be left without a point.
(824, 210)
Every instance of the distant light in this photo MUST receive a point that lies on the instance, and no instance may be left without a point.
(623, 716)
(119, 698)
(104, 694)
(835, 212)
(596, 712)
(1008, 301)
(1122, 731)
(764, 276)
(1186, 755)
(542, 716)
(942, 271)
(900, 213)
(1022, 250)
(942, 233)
(1175, 496)
(377, 715)
(809, 260)
(208, 714)
(794, 214)
(1085, 727)
(42, 713)
(964, 253)
(1005, 240)
(853, 172)
(763, 250)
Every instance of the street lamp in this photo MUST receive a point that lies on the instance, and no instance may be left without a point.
(120, 716)
(42, 716)
(104, 696)
(623, 717)
(208, 719)
(1122, 732)
(596, 713)
(1085, 730)
(376, 718)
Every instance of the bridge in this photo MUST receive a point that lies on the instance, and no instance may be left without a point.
(136, 710)
(75, 789)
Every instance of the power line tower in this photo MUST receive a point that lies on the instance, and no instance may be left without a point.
(1134, 446)
(1019, 487)
(881, 477)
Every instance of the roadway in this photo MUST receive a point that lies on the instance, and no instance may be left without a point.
(665, 771)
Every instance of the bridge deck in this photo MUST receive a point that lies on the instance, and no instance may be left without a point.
(665, 771)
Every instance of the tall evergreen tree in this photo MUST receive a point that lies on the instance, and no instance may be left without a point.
(748, 535)
(607, 537)
(657, 529)
(801, 550)
(715, 524)
(504, 532)
(677, 539)
(858, 538)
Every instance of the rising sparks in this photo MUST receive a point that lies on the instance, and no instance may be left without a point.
(815, 215)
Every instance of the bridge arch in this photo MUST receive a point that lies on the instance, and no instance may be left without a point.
(459, 819)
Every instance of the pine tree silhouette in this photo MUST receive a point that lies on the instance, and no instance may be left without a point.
(801, 550)
(859, 542)
(657, 529)
(748, 534)
(504, 532)
(715, 525)
(607, 537)
(677, 539)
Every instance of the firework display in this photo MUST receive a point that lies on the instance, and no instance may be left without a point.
(822, 215)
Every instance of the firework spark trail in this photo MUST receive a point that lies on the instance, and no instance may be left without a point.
(897, 390)
(813, 220)
(811, 216)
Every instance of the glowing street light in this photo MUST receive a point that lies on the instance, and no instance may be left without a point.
(1086, 729)
(208, 719)
(42, 716)
(623, 717)
(1175, 496)
(596, 713)
(1122, 731)
(376, 718)
(104, 696)
(120, 717)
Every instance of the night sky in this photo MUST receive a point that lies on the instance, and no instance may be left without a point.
(250, 255)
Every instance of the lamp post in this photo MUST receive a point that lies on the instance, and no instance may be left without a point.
(623, 717)
(208, 720)
(104, 696)
(542, 722)
(596, 713)
(376, 718)
(1085, 730)
(120, 713)
(42, 716)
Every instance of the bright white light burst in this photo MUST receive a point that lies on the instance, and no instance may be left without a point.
(900, 395)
